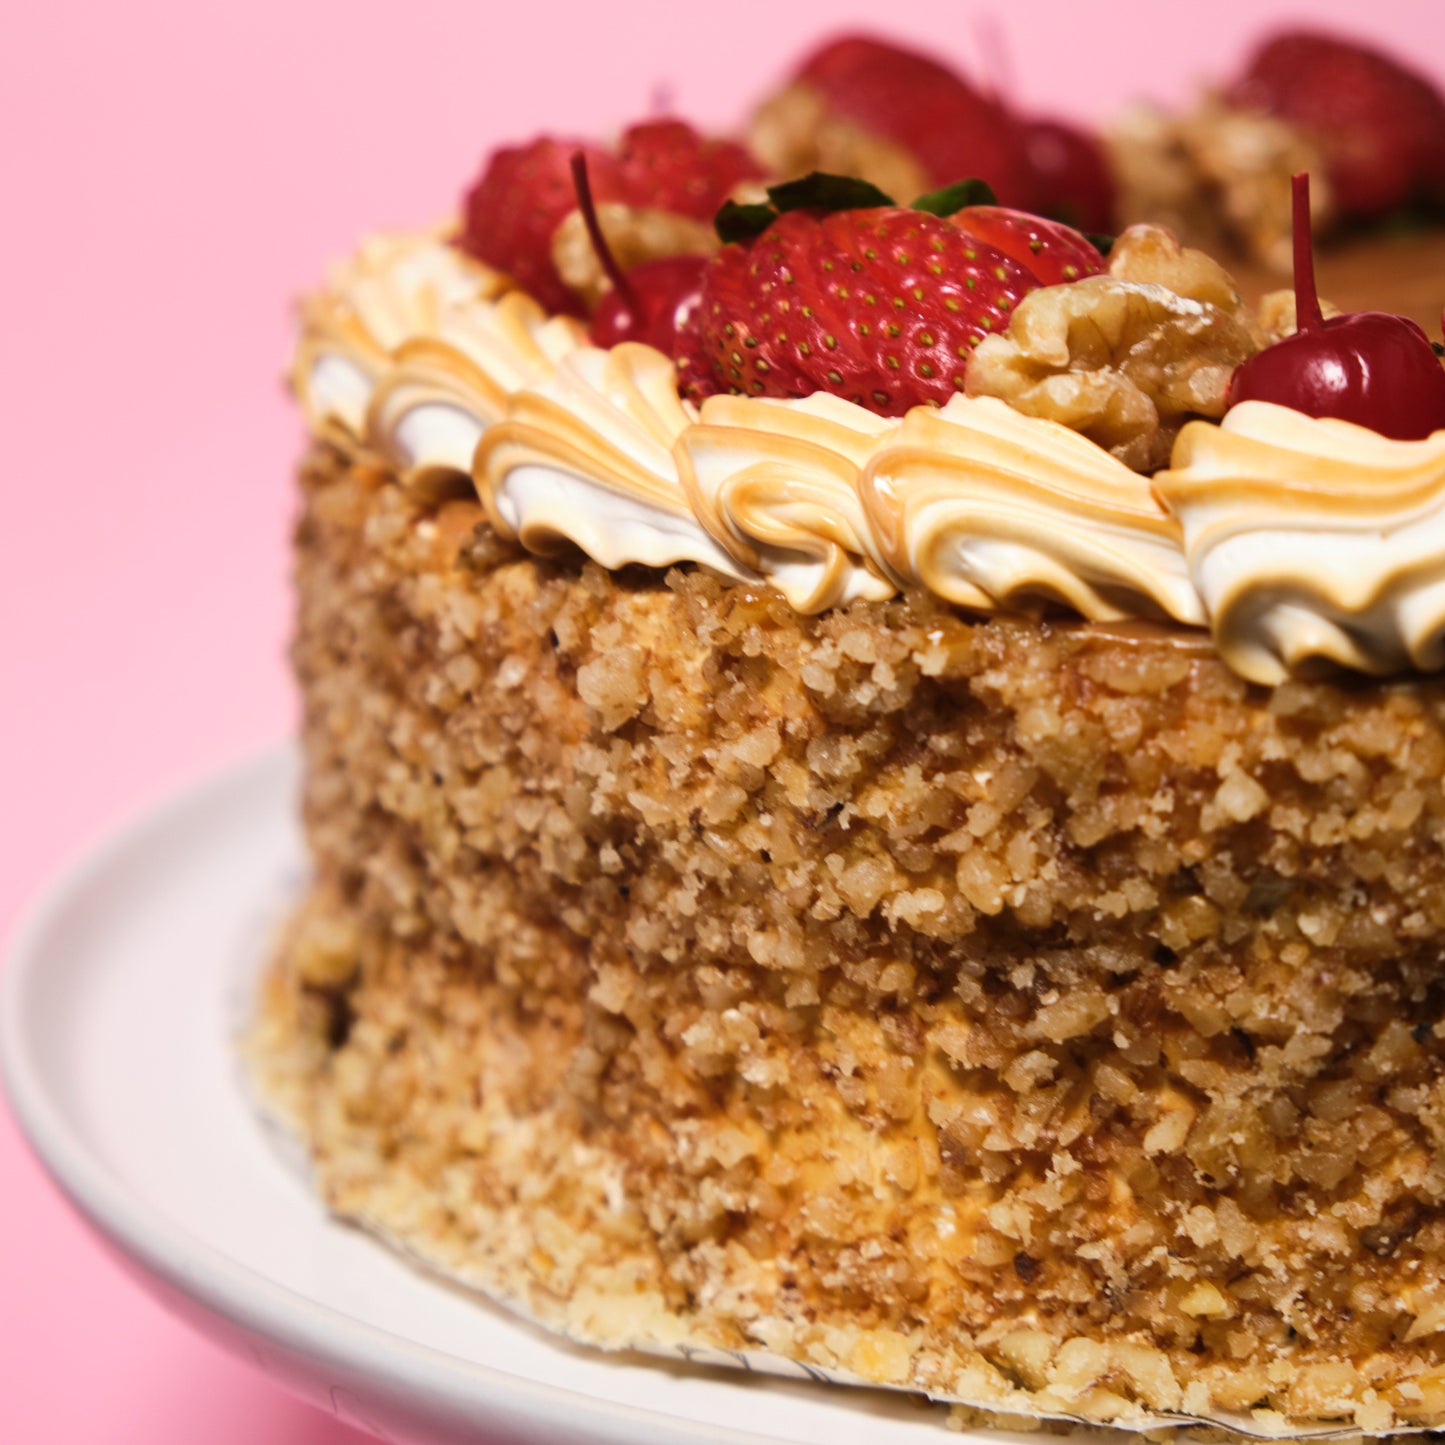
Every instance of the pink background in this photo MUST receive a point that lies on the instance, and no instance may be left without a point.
(171, 174)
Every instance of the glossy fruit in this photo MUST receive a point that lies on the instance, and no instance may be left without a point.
(1369, 367)
(882, 306)
(519, 201)
(1075, 183)
(657, 301)
(525, 192)
(669, 165)
(951, 128)
(649, 303)
(1051, 252)
(1380, 126)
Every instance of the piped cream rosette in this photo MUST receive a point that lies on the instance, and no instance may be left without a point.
(586, 457)
(1297, 541)
(991, 509)
(777, 483)
(429, 410)
(1313, 541)
(393, 290)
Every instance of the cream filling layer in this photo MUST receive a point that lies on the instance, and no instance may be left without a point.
(1293, 540)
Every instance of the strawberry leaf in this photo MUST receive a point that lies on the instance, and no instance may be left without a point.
(736, 222)
(1102, 244)
(972, 192)
(819, 191)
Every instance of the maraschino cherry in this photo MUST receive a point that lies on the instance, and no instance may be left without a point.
(1369, 367)
(650, 302)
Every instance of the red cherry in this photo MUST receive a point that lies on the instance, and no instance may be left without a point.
(1370, 367)
(656, 302)
(648, 303)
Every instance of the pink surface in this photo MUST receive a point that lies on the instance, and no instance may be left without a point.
(173, 174)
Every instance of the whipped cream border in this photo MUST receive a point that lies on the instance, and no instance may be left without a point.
(1294, 541)
(1313, 542)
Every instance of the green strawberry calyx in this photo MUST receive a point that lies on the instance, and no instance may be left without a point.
(820, 191)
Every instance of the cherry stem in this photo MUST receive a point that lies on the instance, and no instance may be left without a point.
(588, 207)
(1308, 316)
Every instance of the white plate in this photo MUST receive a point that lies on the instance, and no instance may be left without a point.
(117, 1017)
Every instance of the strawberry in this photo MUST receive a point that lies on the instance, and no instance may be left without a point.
(1381, 126)
(869, 300)
(519, 201)
(1075, 182)
(648, 303)
(667, 165)
(948, 125)
(1049, 251)
(652, 305)
(525, 193)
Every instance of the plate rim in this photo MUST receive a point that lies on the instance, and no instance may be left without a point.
(167, 1252)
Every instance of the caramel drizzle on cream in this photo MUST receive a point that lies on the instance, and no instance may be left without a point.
(1313, 541)
(585, 457)
(427, 359)
(393, 290)
(777, 482)
(991, 509)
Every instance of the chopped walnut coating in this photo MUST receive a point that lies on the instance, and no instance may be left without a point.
(635, 234)
(1029, 1013)
(1125, 359)
(1219, 176)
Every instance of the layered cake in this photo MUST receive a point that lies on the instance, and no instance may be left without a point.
(875, 778)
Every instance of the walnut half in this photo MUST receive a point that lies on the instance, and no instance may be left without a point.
(1125, 359)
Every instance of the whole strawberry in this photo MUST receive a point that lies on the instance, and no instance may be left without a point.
(840, 290)
(1380, 126)
(952, 128)
(1051, 252)
(519, 201)
(668, 165)
(525, 193)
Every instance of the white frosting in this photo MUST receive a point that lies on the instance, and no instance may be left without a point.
(1313, 540)
(777, 481)
(394, 290)
(1294, 539)
(438, 434)
(442, 391)
(544, 505)
(989, 508)
(400, 286)
(339, 388)
(586, 456)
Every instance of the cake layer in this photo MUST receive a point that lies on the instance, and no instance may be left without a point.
(1018, 1010)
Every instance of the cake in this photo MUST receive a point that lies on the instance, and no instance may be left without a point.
(949, 897)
